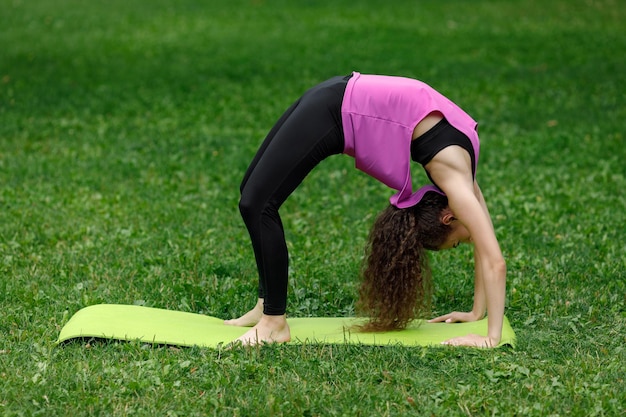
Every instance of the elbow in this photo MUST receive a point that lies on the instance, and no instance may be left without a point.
(499, 268)
(496, 268)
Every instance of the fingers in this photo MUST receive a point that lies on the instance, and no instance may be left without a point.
(453, 317)
(471, 340)
(438, 319)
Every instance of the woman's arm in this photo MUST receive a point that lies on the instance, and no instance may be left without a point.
(452, 173)
(480, 298)
(480, 302)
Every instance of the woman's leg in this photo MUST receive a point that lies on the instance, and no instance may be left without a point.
(253, 316)
(258, 310)
(309, 132)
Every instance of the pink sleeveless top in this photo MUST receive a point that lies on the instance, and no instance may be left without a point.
(379, 114)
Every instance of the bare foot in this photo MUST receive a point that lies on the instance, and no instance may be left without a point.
(270, 329)
(249, 319)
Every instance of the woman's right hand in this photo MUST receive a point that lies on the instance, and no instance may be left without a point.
(456, 317)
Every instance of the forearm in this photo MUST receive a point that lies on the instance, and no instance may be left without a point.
(480, 299)
(494, 282)
(492, 275)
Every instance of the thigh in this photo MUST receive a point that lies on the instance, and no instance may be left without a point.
(311, 132)
(268, 139)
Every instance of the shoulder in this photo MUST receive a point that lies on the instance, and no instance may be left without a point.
(451, 163)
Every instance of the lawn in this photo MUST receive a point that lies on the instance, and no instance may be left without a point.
(126, 127)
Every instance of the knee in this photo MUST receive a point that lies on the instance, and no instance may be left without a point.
(250, 206)
(253, 210)
(246, 207)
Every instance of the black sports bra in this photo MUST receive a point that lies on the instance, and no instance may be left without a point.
(440, 136)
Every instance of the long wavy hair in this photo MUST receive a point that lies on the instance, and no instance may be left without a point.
(396, 285)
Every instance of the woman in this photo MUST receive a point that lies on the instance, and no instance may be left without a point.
(382, 122)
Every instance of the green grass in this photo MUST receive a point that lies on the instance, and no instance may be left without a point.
(126, 126)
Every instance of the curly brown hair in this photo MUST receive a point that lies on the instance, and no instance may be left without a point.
(396, 285)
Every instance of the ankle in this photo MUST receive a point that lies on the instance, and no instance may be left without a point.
(274, 321)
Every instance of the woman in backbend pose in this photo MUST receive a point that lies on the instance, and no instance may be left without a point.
(382, 122)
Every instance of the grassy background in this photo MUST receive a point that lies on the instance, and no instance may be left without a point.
(125, 128)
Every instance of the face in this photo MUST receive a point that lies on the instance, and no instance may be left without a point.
(459, 235)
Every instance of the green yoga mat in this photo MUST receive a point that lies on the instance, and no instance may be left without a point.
(158, 326)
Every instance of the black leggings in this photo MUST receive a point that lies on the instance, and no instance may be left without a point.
(308, 132)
